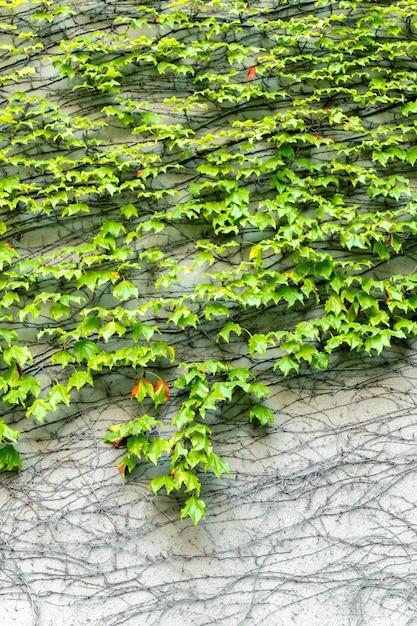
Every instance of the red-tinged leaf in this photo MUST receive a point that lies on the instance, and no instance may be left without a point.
(251, 73)
(117, 442)
(139, 173)
(127, 465)
(121, 468)
(135, 389)
(143, 387)
(161, 392)
(162, 384)
(156, 20)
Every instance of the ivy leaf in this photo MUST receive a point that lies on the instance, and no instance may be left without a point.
(85, 349)
(8, 335)
(111, 328)
(229, 328)
(62, 357)
(334, 304)
(412, 155)
(136, 444)
(161, 481)
(142, 388)
(161, 392)
(151, 118)
(127, 465)
(261, 414)
(240, 373)
(10, 458)
(307, 352)
(8, 433)
(215, 310)
(217, 465)
(18, 354)
(258, 343)
(194, 508)
(251, 73)
(58, 394)
(185, 416)
(208, 169)
(39, 410)
(125, 290)
(79, 379)
(286, 364)
(377, 342)
(129, 210)
(183, 316)
(156, 448)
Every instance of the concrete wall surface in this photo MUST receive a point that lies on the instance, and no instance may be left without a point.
(316, 525)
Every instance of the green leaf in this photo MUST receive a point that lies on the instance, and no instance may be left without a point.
(8, 433)
(209, 169)
(216, 464)
(110, 329)
(377, 342)
(62, 357)
(261, 414)
(58, 394)
(306, 352)
(10, 458)
(58, 310)
(125, 290)
(156, 448)
(127, 464)
(231, 327)
(185, 416)
(183, 316)
(215, 310)
(258, 343)
(79, 379)
(194, 508)
(39, 409)
(72, 209)
(21, 388)
(188, 479)
(334, 304)
(151, 119)
(240, 373)
(17, 354)
(136, 444)
(412, 155)
(85, 349)
(286, 364)
(161, 481)
(8, 335)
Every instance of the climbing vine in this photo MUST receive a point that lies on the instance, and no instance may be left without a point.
(200, 167)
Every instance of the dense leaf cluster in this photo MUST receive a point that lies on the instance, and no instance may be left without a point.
(219, 160)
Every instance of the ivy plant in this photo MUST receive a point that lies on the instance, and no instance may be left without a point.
(199, 168)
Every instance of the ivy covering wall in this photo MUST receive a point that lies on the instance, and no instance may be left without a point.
(195, 169)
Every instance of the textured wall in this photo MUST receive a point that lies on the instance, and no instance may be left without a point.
(315, 526)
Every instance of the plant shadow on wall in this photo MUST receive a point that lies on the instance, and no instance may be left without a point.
(194, 189)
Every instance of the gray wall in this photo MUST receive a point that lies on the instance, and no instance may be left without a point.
(315, 527)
